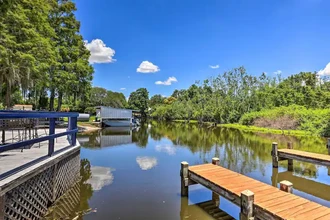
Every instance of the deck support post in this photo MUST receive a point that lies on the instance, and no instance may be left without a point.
(215, 196)
(247, 203)
(184, 178)
(184, 208)
(275, 155)
(290, 161)
(286, 186)
(51, 141)
(275, 177)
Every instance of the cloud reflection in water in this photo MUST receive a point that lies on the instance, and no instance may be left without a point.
(101, 176)
(167, 148)
(146, 163)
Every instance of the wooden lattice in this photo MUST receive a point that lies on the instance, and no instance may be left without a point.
(67, 173)
(31, 200)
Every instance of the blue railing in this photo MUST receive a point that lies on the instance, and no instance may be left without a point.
(71, 131)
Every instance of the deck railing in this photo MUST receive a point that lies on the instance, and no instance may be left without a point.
(71, 132)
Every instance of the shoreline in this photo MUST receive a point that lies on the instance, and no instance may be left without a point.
(85, 128)
(255, 128)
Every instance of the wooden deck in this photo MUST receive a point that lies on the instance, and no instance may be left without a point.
(265, 201)
(320, 159)
(17, 159)
(308, 186)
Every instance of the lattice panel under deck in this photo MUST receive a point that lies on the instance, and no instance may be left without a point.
(31, 200)
(67, 174)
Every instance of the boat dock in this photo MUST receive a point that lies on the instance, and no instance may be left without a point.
(290, 154)
(255, 199)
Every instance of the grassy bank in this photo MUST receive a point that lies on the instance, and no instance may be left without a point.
(294, 117)
(266, 130)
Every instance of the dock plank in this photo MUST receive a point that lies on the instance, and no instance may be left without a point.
(268, 200)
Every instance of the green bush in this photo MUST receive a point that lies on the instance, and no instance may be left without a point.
(316, 121)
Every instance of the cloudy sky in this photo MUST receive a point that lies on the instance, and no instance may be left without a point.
(167, 44)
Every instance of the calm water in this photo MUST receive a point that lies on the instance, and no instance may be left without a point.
(135, 174)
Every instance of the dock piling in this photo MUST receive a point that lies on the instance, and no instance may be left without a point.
(286, 186)
(247, 202)
(215, 161)
(184, 178)
(290, 161)
(275, 155)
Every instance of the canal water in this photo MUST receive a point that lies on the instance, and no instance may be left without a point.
(135, 174)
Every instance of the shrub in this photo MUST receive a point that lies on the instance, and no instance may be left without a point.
(316, 121)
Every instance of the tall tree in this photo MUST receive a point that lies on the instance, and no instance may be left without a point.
(139, 100)
(25, 44)
(72, 72)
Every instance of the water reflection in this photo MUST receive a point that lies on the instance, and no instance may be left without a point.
(101, 176)
(160, 147)
(166, 148)
(146, 163)
(74, 203)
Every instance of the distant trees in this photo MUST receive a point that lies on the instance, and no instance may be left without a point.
(225, 98)
(100, 96)
(41, 52)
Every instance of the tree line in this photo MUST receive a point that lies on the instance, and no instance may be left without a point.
(43, 58)
(228, 96)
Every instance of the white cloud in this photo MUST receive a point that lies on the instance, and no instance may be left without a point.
(169, 149)
(147, 67)
(101, 176)
(100, 53)
(278, 72)
(122, 88)
(146, 163)
(325, 71)
(167, 82)
(214, 67)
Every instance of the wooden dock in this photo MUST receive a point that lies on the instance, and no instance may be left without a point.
(290, 154)
(256, 199)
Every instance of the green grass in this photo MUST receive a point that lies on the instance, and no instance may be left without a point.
(267, 130)
(183, 121)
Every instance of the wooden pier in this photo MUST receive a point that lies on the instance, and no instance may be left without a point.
(256, 199)
(290, 154)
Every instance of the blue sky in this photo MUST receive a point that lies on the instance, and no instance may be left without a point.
(182, 38)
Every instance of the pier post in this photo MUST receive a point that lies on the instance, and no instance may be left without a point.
(184, 208)
(247, 202)
(274, 177)
(275, 155)
(328, 147)
(215, 161)
(290, 161)
(286, 186)
(215, 196)
(184, 178)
